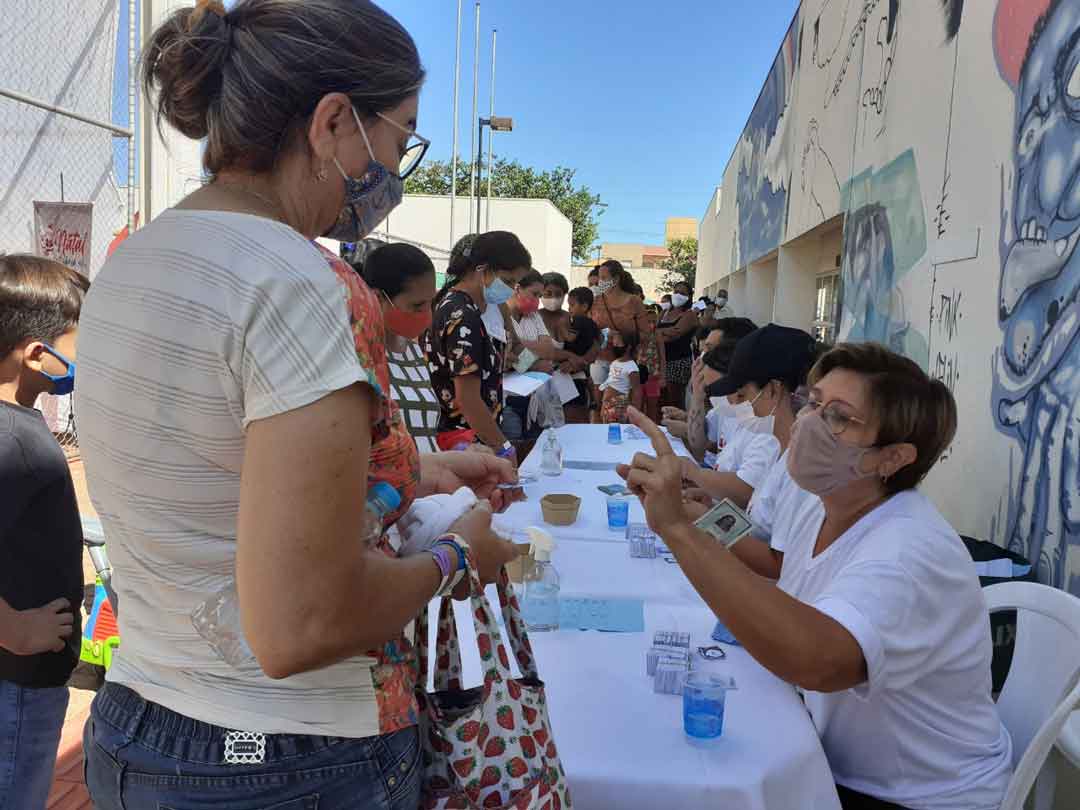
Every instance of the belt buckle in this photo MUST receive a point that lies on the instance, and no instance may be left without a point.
(245, 748)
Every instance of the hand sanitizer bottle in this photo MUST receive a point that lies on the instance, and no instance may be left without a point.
(540, 604)
(551, 460)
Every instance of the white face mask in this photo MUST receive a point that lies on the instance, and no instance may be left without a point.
(761, 424)
(606, 285)
(665, 305)
(679, 300)
(743, 412)
(552, 304)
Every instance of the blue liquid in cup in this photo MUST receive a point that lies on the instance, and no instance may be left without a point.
(614, 434)
(703, 707)
(618, 514)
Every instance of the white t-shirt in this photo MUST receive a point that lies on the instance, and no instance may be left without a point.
(747, 454)
(771, 496)
(712, 426)
(201, 323)
(922, 731)
(619, 376)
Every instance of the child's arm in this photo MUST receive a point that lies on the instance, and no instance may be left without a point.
(39, 630)
(635, 390)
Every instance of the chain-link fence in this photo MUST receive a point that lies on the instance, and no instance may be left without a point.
(67, 121)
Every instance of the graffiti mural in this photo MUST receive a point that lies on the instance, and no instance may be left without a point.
(1037, 387)
(761, 156)
(884, 239)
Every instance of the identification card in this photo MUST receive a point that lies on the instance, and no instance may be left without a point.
(726, 522)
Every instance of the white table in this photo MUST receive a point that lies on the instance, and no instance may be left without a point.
(623, 745)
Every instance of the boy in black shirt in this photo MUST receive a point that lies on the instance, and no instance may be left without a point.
(581, 348)
(41, 583)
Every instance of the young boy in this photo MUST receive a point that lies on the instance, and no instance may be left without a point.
(580, 350)
(41, 583)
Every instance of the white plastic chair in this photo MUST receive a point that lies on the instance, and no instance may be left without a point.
(1043, 686)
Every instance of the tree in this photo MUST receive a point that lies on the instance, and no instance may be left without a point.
(511, 179)
(681, 265)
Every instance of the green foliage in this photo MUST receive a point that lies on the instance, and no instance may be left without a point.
(681, 265)
(511, 179)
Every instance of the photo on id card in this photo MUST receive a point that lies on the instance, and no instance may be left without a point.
(726, 522)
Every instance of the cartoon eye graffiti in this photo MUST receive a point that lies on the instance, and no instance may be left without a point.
(1073, 87)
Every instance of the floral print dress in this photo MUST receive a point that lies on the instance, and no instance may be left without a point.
(395, 460)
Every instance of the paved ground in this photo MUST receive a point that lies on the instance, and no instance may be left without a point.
(68, 790)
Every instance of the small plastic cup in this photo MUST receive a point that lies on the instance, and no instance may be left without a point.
(614, 434)
(618, 513)
(703, 705)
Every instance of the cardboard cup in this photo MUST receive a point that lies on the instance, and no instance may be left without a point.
(560, 510)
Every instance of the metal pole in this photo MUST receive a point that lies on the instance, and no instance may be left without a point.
(454, 157)
(479, 168)
(44, 105)
(473, 190)
(491, 135)
(132, 98)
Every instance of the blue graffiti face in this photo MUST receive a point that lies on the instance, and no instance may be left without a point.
(1040, 276)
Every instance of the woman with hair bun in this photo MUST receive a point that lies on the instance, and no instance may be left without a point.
(235, 410)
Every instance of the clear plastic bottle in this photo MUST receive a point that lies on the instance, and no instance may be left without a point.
(551, 460)
(540, 603)
(217, 619)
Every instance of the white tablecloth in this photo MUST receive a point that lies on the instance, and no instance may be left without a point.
(623, 745)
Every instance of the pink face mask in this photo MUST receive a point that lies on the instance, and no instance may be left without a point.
(818, 461)
(527, 305)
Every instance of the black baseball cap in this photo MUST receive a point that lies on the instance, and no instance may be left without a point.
(772, 352)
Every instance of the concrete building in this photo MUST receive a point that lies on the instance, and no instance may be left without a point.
(632, 255)
(680, 228)
(424, 220)
(891, 186)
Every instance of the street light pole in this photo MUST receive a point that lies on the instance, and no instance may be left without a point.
(456, 124)
(496, 124)
(491, 139)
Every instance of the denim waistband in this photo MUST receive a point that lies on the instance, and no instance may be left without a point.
(173, 734)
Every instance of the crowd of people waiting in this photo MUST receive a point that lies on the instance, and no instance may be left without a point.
(240, 392)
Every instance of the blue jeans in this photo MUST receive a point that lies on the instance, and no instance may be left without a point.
(31, 721)
(142, 756)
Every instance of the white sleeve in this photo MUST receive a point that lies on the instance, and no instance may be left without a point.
(759, 455)
(292, 343)
(712, 426)
(631, 368)
(873, 601)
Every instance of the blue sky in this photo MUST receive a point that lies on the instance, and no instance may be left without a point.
(644, 99)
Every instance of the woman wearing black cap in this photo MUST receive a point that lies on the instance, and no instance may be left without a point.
(767, 370)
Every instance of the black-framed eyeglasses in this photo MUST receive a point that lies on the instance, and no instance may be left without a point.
(415, 149)
(836, 419)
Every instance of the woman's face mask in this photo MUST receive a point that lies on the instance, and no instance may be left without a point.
(665, 305)
(527, 304)
(743, 412)
(498, 291)
(761, 424)
(604, 286)
(819, 461)
(407, 325)
(679, 300)
(369, 200)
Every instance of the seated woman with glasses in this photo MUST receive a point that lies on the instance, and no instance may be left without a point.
(878, 617)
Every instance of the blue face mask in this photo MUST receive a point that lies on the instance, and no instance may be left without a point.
(498, 292)
(62, 383)
(369, 200)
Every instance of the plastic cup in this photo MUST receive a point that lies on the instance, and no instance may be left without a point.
(618, 513)
(614, 434)
(704, 695)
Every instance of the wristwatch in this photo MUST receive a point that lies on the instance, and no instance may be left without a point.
(448, 552)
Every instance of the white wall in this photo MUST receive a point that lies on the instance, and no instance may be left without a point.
(425, 220)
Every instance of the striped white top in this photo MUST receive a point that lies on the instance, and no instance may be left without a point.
(199, 324)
